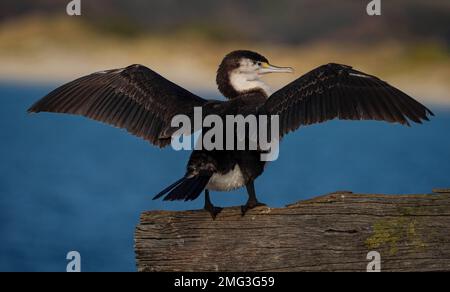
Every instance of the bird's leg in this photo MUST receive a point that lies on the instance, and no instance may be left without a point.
(252, 200)
(214, 211)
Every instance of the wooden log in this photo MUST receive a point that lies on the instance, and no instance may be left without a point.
(334, 232)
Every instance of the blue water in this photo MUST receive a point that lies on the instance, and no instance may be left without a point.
(68, 183)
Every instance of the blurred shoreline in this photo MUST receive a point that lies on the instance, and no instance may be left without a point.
(46, 50)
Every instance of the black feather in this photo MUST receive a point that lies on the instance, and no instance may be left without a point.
(169, 188)
(338, 91)
(124, 98)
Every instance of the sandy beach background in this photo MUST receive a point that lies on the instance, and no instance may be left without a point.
(41, 44)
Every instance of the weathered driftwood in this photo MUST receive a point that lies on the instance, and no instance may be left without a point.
(329, 233)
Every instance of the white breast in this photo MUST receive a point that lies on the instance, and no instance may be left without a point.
(242, 82)
(226, 182)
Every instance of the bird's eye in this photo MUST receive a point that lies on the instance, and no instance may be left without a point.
(258, 63)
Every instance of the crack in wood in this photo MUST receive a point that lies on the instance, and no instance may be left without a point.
(329, 233)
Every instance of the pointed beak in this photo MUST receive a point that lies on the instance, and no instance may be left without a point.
(267, 68)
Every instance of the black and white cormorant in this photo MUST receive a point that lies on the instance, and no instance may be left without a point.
(143, 102)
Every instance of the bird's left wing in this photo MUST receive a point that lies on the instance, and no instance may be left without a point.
(338, 91)
(134, 98)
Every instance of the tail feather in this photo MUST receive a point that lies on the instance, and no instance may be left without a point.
(187, 189)
(196, 188)
(168, 189)
(182, 191)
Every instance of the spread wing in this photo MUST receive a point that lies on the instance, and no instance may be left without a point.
(134, 98)
(338, 91)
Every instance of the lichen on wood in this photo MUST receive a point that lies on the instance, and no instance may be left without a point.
(334, 232)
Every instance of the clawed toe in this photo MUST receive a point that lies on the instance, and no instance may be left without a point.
(249, 206)
(213, 211)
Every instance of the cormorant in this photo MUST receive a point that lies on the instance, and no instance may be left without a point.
(143, 102)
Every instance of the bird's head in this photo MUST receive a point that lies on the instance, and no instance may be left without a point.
(240, 72)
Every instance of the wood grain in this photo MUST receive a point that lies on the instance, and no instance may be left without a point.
(334, 232)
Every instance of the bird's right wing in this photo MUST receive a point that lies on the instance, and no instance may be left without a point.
(134, 98)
